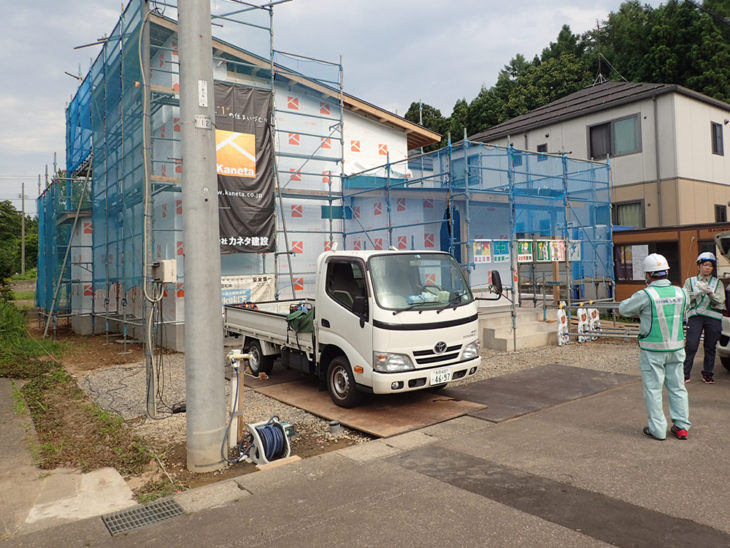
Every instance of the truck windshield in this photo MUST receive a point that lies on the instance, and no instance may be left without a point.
(404, 281)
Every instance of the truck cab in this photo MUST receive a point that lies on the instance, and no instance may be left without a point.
(393, 321)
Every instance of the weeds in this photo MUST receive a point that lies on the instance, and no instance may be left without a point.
(22, 357)
(72, 430)
(157, 490)
(23, 295)
(30, 274)
(18, 401)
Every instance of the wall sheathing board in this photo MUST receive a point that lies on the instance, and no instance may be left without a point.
(369, 144)
(82, 290)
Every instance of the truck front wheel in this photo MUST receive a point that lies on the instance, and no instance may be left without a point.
(341, 383)
(258, 362)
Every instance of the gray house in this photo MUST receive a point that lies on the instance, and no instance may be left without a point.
(665, 144)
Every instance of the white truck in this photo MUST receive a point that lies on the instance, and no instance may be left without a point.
(722, 241)
(382, 322)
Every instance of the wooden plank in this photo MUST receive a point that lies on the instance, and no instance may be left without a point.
(277, 463)
(378, 415)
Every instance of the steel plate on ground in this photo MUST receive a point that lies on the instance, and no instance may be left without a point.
(522, 392)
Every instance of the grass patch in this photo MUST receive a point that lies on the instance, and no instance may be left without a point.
(157, 490)
(72, 430)
(21, 356)
(23, 295)
(75, 432)
(30, 274)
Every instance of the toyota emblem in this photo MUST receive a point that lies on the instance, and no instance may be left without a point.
(440, 347)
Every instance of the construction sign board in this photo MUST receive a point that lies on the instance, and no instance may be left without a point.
(524, 251)
(500, 251)
(482, 251)
(245, 167)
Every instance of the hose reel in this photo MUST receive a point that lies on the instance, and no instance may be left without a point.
(270, 441)
(265, 441)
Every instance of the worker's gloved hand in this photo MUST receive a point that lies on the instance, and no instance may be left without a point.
(703, 287)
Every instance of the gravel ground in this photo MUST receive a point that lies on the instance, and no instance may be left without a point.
(121, 388)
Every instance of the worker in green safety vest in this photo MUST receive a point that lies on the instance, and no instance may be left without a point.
(661, 310)
(706, 303)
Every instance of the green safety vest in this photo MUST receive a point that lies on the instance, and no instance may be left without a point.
(703, 307)
(667, 312)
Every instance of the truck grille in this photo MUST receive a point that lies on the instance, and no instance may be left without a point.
(429, 357)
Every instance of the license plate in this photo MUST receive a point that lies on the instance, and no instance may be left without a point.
(440, 376)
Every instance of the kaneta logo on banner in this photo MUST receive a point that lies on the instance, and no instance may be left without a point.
(235, 153)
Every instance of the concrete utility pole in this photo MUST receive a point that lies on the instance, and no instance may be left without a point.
(204, 367)
(22, 229)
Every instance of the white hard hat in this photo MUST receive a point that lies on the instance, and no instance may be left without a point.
(706, 256)
(655, 263)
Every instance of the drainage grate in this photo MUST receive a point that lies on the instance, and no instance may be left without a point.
(135, 518)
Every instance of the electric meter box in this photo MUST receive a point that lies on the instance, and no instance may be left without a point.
(165, 271)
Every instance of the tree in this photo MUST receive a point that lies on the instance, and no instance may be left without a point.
(622, 40)
(459, 120)
(677, 43)
(567, 43)
(685, 43)
(429, 117)
(10, 240)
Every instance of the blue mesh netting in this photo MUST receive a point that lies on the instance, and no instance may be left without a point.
(495, 194)
(448, 199)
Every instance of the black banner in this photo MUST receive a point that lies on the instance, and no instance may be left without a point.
(245, 166)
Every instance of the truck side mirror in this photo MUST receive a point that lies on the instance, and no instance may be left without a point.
(360, 308)
(722, 240)
(496, 282)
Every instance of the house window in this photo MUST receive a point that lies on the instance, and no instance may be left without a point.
(720, 213)
(623, 261)
(629, 214)
(617, 137)
(629, 260)
(717, 144)
(542, 148)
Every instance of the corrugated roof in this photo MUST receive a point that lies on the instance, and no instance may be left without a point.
(585, 101)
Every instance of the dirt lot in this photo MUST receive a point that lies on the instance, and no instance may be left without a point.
(112, 374)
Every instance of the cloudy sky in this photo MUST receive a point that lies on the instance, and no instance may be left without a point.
(393, 52)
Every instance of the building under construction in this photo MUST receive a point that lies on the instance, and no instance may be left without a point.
(342, 172)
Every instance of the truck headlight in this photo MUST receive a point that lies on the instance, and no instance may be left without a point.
(385, 362)
(470, 351)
